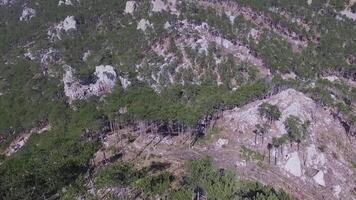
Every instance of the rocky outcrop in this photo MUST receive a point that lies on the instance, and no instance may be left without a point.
(103, 80)
(55, 32)
(322, 161)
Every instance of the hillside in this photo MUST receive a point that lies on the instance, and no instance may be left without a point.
(177, 99)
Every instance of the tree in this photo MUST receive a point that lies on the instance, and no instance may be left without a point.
(262, 130)
(353, 8)
(275, 143)
(296, 130)
(269, 111)
(256, 133)
(269, 147)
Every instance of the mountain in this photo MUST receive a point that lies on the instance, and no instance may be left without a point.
(177, 99)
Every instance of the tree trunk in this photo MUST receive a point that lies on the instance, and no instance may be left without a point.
(282, 150)
(104, 154)
(269, 156)
(255, 138)
(275, 157)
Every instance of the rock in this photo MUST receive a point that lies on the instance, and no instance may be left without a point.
(158, 6)
(293, 165)
(331, 78)
(66, 25)
(130, 7)
(27, 14)
(125, 82)
(319, 178)
(315, 159)
(167, 25)
(337, 190)
(221, 143)
(168, 5)
(6, 2)
(65, 2)
(86, 55)
(143, 25)
(74, 90)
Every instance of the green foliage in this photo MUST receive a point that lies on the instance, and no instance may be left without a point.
(123, 174)
(116, 174)
(269, 111)
(251, 190)
(296, 130)
(222, 184)
(186, 104)
(353, 8)
(210, 133)
(155, 184)
(337, 4)
(278, 141)
(214, 184)
(250, 154)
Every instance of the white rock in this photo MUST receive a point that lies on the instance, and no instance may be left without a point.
(348, 14)
(231, 17)
(203, 44)
(331, 78)
(125, 82)
(123, 110)
(130, 7)
(143, 24)
(27, 14)
(293, 165)
(167, 25)
(158, 6)
(65, 2)
(67, 24)
(337, 190)
(86, 55)
(319, 178)
(309, 2)
(254, 33)
(75, 91)
(6, 2)
(221, 143)
(29, 55)
(315, 159)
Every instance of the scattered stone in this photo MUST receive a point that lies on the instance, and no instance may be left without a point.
(67, 24)
(331, 78)
(65, 2)
(143, 25)
(130, 7)
(167, 25)
(125, 82)
(29, 55)
(315, 159)
(337, 190)
(160, 5)
(221, 143)
(86, 55)
(123, 110)
(27, 14)
(6, 2)
(348, 14)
